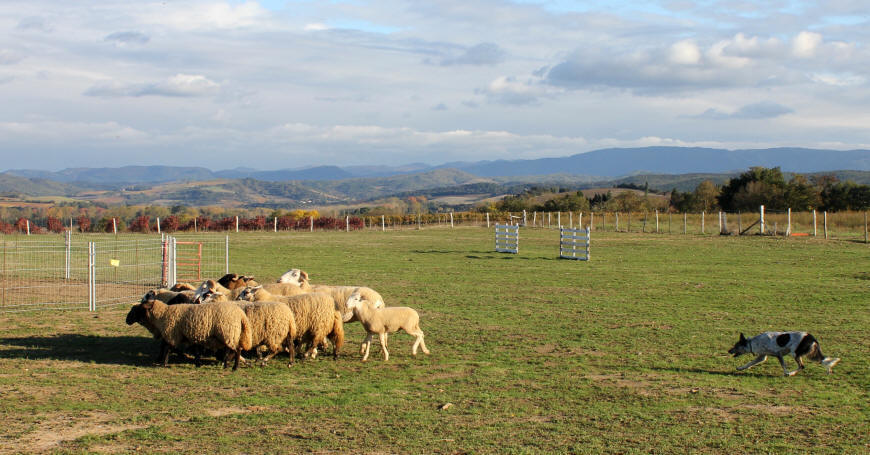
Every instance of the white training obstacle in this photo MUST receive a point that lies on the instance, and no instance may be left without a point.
(507, 238)
(574, 243)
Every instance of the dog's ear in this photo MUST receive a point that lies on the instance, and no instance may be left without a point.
(742, 338)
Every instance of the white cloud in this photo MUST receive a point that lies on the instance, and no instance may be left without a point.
(685, 52)
(208, 15)
(316, 27)
(806, 43)
(180, 85)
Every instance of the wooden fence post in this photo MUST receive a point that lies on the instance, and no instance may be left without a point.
(815, 230)
(685, 222)
(702, 222)
(788, 226)
(865, 227)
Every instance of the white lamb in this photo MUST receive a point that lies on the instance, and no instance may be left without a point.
(383, 321)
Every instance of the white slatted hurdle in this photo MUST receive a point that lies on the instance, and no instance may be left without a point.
(574, 241)
(507, 238)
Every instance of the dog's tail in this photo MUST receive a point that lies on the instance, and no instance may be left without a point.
(811, 349)
(809, 346)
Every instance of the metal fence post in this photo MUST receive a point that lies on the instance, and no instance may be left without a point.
(92, 277)
(68, 248)
(227, 254)
(173, 265)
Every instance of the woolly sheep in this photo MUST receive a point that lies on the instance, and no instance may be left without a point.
(273, 325)
(213, 287)
(214, 326)
(315, 315)
(232, 281)
(383, 321)
(340, 294)
(182, 287)
(169, 297)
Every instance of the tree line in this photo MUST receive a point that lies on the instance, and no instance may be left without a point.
(746, 192)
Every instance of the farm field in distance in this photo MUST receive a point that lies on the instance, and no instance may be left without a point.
(623, 354)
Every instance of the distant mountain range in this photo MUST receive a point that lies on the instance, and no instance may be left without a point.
(606, 163)
(661, 168)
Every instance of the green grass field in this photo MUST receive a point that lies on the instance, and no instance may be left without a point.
(623, 354)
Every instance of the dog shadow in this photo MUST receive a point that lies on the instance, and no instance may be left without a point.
(732, 372)
(109, 350)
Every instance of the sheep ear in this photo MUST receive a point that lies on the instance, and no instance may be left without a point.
(742, 338)
(303, 274)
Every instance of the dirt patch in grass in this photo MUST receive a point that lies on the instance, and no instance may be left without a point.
(54, 430)
(545, 348)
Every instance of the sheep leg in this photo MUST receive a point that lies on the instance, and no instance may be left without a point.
(418, 342)
(383, 337)
(288, 345)
(238, 354)
(164, 353)
(272, 353)
(364, 346)
(368, 344)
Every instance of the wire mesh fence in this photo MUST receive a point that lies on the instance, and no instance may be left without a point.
(92, 271)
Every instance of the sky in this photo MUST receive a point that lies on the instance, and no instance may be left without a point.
(276, 84)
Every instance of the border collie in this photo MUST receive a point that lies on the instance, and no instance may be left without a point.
(778, 344)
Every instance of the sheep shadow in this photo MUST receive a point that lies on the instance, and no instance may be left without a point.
(110, 350)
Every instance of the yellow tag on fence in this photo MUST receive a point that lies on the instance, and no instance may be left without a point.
(114, 262)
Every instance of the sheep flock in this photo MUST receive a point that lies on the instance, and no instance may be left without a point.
(235, 316)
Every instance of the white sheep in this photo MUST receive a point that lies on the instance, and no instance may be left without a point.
(315, 316)
(215, 326)
(340, 294)
(383, 321)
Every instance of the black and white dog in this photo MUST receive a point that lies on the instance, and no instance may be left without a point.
(778, 344)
